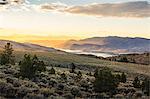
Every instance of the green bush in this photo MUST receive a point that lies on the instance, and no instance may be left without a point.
(96, 73)
(105, 81)
(123, 59)
(136, 83)
(146, 86)
(79, 75)
(75, 91)
(73, 66)
(63, 76)
(39, 65)
(123, 77)
(52, 71)
(30, 66)
(47, 92)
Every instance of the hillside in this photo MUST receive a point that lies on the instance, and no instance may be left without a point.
(25, 46)
(110, 44)
(143, 58)
(59, 58)
(65, 84)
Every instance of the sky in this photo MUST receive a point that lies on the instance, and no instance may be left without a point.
(60, 20)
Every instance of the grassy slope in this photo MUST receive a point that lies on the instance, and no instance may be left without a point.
(143, 58)
(66, 58)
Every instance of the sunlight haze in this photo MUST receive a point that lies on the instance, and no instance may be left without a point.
(40, 21)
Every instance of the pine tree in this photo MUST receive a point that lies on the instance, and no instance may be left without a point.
(7, 55)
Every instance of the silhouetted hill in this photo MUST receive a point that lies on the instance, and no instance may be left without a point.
(111, 44)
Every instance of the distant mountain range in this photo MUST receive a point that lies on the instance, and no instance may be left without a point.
(112, 44)
(25, 46)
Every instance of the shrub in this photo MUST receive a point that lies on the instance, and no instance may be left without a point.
(79, 75)
(47, 92)
(22, 92)
(96, 73)
(34, 96)
(60, 86)
(123, 59)
(53, 82)
(84, 84)
(7, 90)
(90, 74)
(68, 96)
(73, 66)
(123, 77)
(75, 91)
(6, 56)
(146, 86)
(136, 83)
(118, 77)
(39, 65)
(138, 94)
(105, 81)
(52, 71)
(63, 76)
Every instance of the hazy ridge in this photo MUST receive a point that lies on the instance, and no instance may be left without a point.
(110, 44)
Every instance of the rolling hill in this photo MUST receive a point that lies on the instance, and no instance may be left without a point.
(54, 57)
(25, 46)
(110, 44)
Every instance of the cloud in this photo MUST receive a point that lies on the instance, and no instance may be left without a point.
(15, 5)
(139, 9)
(129, 9)
(5, 2)
(53, 6)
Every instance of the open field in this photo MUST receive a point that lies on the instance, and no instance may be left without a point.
(63, 59)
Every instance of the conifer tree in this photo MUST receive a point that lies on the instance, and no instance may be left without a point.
(7, 55)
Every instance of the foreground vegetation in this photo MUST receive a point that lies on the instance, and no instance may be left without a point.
(63, 77)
